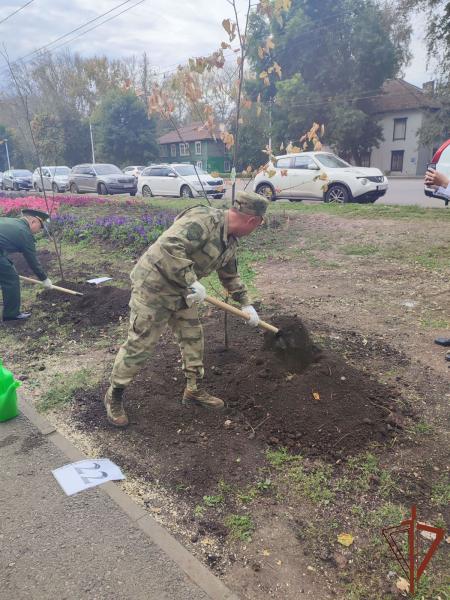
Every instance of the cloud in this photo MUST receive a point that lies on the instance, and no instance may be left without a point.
(170, 32)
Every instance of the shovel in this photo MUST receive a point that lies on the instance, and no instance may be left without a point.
(239, 313)
(54, 287)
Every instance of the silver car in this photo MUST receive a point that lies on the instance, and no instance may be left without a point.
(54, 178)
(101, 178)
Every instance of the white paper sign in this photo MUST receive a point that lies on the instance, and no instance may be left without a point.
(84, 474)
(98, 280)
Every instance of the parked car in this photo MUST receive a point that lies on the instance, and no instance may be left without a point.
(134, 170)
(54, 178)
(17, 179)
(319, 176)
(440, 162)
(101, 178)
(178, 180)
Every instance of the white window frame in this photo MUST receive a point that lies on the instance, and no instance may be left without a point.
(400, 125)
(164, 150)
(198, 147)
(199, 164)
(184, 149)
(226, 166)
(173, 150)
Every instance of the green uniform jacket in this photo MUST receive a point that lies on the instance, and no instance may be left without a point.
(194, 246)
(16, 236)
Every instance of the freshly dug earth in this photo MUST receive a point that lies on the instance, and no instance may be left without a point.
(329, 409)
(98, 305)
(46, 258)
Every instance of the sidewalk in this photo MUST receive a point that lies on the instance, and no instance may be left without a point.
(97, 544)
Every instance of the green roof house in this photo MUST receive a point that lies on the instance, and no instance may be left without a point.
(196, 147)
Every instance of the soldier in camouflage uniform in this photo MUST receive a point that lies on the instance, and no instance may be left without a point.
(166, 290)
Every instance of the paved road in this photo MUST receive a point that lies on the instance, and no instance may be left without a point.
(400, 191)
(78, 547)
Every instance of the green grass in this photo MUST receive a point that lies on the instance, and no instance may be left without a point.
(434, 323)
(364, 211)
(359, 249)
(241, 527)
(440, 493)
(314, 485)
(213, 501)
(280, 457)
(64, 387)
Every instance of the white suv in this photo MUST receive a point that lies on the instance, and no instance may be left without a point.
(319, 176)
(179, 180)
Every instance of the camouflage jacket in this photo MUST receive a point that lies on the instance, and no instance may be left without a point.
(195, 245)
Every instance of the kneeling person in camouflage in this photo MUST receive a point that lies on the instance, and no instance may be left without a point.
(166, 291)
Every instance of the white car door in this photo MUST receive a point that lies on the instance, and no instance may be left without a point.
(173, 183)
(303, 177)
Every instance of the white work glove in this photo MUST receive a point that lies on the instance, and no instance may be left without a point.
(251, 312)
(198, 293)
(47, 283)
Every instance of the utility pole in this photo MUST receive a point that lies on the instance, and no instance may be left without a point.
(7, 154)
(92, 143)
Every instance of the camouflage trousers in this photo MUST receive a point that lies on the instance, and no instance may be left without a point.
(150, 314)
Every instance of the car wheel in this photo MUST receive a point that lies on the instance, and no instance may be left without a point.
(218, 196)
(35, 186)
(55, 188)
(132, 193)
(73, 188)
(337, 194)
(16, 187)
(186, 192)
(265, 189)
(102, 189)
(147, 192)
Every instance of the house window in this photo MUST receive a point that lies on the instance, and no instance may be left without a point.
(198, 147)
(173, 149)
(226, 166)
(199, 164)
(163, 151)
(184, 149)
(365, 159)
(397, 160)
(399, 129)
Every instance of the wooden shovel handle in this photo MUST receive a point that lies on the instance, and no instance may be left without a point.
(54, 287)
(239, 313)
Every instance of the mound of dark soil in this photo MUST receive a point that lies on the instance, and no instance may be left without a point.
(98, 305)
(46, 259)
(329, 410)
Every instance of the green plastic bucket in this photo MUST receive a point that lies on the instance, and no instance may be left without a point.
(8, 395)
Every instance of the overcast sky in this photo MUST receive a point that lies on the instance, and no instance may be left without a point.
(169, 31)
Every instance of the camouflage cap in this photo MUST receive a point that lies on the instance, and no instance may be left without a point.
(39, 214)
(251, 203)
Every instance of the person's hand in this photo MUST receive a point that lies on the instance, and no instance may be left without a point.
(198, 293)
(251, 312)
(436, 178)
(47, 283)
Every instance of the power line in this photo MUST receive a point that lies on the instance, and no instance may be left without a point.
(16, 11)
(46, 46)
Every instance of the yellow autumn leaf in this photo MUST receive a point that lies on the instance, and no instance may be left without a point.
(266, 553)
(271, 173)
(262, 75)
(402, 584)
(261, 52)
(224, 46)
(316, 395)
(283, 172)
(345, 539)
(207, 542)
(276, 67)
(215, 174)
(317, 146)
(269, 44)
(266, 81)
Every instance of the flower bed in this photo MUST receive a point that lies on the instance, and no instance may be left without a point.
(130, 233)
(11, 207)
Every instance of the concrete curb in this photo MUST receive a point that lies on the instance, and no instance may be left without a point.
(193, 568)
